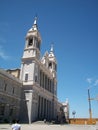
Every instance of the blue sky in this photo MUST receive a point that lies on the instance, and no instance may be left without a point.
(72, 25)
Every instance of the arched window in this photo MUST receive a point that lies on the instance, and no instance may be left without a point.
(50, 65)
(30, 42)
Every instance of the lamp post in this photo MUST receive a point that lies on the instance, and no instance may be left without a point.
(89, 100)
(73, 113)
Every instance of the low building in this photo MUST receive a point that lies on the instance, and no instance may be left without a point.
(10, 96)
(14, 72)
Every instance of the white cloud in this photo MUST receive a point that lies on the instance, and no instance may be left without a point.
(96, 83)
(3, 55)
(89, 80)
(3, 29)
(92, 82)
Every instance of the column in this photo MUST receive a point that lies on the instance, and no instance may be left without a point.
(44, 80)
(50, 85)
(45, 108)
(49, 110)
(52, 105)
(40, 78)
(39, 107)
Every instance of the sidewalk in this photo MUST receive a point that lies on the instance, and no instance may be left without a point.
(50, 127)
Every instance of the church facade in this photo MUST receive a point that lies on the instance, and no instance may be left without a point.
(38, 77)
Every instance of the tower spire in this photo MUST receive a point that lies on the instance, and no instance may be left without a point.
(34, 27)
(35, 20)
(52, 49)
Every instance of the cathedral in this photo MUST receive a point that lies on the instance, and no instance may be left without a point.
(30, 93)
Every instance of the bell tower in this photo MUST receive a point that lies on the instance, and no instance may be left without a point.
(33, 41)
(31, 55)
(52, 62)
(53, 68)
(29, 74)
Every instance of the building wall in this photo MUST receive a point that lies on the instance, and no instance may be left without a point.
(10, 96)
(40, 99)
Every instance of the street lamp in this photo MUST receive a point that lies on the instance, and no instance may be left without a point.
(73, 113)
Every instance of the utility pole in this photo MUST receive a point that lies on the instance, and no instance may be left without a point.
(89, 100)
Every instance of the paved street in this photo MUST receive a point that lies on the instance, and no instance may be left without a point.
(50, 127)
